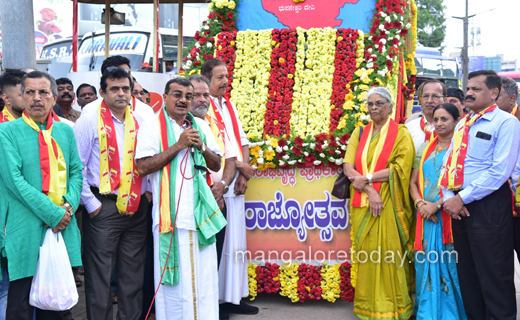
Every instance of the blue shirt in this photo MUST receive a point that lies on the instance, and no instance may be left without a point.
(489, 162)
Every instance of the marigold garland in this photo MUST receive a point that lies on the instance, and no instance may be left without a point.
(317, 94)
(300, 282)
(252, 283)
(279, 104)
(251, 79)
(331, 281)
(289, 281)
(316, 81)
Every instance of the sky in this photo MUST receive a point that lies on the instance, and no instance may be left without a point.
(498, 28)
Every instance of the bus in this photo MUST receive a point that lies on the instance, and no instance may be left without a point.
(131, 42)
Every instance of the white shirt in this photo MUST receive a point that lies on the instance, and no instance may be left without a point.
(144, 110)
(148, 145)
(418, 134)
(229, 128)
(229, 152)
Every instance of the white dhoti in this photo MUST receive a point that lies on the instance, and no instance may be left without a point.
(196, 295)
(232, 272)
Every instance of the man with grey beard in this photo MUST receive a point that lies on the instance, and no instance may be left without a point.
(223, 178)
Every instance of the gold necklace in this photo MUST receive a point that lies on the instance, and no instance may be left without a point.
(437, 151)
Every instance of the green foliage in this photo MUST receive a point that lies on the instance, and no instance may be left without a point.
(431, 29)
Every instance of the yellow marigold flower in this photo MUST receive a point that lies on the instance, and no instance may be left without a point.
(220, 47)
(290, 76)
(340, 39)
(364, 87)
(275, 122)
(281, 60)
(273, 43)
(269, 155)
(192, 72)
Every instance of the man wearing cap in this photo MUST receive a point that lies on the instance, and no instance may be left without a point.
(456, 97)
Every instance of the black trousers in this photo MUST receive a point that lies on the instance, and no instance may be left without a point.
(110, 236)
(516, 232)
(484, 244)
(221, 236)
(18, 307)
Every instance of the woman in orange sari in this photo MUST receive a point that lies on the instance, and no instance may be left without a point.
(382, 222)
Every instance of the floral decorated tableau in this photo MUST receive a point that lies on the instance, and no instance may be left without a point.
(300, 93)
(301, 282)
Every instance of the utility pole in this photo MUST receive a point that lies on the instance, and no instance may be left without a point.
(19, 49)
(464, 53)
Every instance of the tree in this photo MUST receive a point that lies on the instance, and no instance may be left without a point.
(430, 22)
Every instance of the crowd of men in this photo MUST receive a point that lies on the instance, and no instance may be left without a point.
(162, 195)
(150, 206)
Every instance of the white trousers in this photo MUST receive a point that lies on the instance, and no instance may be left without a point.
(196, 295)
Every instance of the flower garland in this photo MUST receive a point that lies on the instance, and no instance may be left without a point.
(279, 104)
(221, 19)
(289, 281)
(316, 85)
(251, 79)
(225, 51)
(345, 62)
(300, 282)
(319, 103)
(331, 281)
(309, 283)
(299, 110)
(251, 275)
(346, 289)
(410, 62)
(267, 278)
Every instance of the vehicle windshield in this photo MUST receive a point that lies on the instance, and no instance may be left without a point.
(60, 55)
(449, 68)
(169, 45)
(431, 67)
(131, 45)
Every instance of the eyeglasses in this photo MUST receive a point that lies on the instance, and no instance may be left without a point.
(179, 95)
(378, 103)
(197, 95)
(137, 93)
(434, 96)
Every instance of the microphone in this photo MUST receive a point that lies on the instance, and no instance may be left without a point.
(188, 124)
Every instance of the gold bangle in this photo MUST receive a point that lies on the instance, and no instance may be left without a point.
(416, 202)
(419, 206)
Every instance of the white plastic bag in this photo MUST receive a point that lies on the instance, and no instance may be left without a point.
(53, 286)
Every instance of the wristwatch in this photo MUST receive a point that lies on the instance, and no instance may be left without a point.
(203, 149)
(226, 187)
(68, 208)
(439, 205)
(369, 178)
